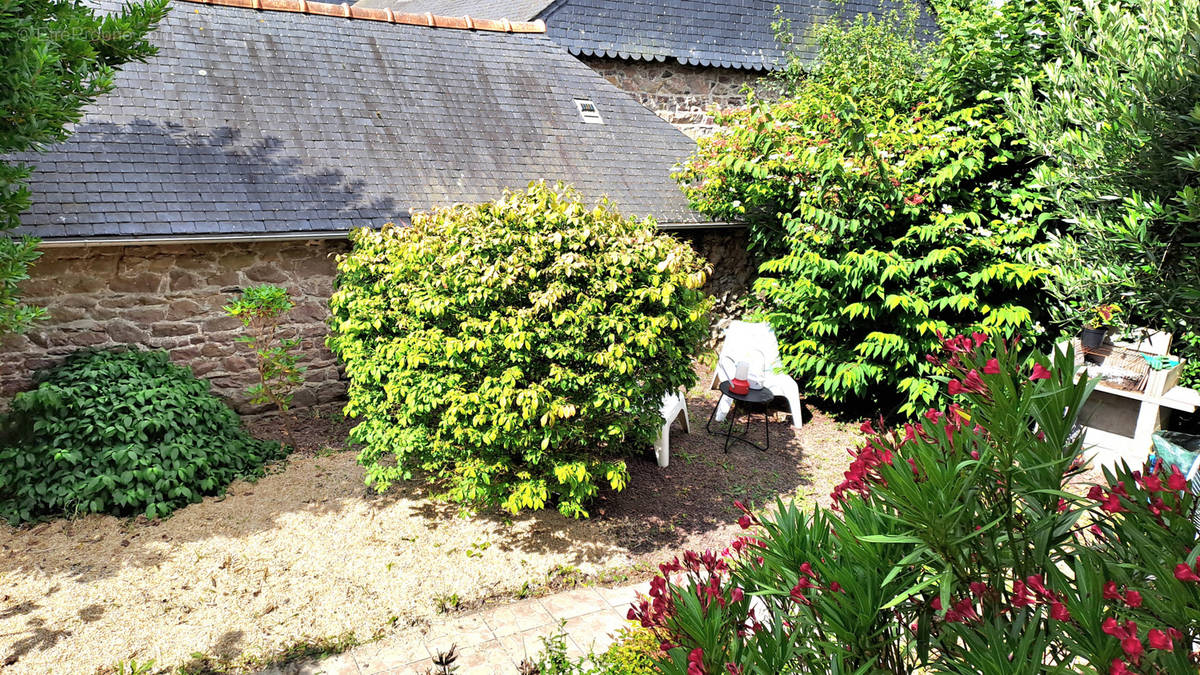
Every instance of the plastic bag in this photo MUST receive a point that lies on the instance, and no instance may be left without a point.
(1173, 448)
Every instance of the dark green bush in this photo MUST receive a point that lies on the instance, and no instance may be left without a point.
(517, 349)
(885, 212)
(119, 432)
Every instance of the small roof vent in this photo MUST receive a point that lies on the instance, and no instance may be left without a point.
(588, 111)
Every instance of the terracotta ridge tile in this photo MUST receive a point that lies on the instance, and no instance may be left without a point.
(348, 11)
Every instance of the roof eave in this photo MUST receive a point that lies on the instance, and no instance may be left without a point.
(315, 235)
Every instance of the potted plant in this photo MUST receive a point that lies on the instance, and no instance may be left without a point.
(1096, 324)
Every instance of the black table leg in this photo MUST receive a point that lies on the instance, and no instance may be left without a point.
(731, 419)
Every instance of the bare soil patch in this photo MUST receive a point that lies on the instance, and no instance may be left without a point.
(308, 552)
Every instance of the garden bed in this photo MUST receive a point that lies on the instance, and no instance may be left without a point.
(309, 553)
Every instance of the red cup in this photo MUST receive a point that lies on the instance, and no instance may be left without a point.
(739, 387)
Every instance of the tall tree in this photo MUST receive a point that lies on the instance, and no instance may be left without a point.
(56, 56)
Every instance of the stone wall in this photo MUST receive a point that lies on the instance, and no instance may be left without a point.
(171, 297)
(731, 278)
(680, 94)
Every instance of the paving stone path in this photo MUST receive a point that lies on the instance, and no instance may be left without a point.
(492, 641)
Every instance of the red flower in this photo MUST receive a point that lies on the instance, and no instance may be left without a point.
(836, 587)
(1039, 373)
(955, 387)
(1132, 647)
(1113, 504)
(1159, 640)
(914, 200)
(744, 521)
(978, 588)
(1151, 483)
(1176, 481)
(1059, 611)
(1118, 668)
(696, 662)
(1110, 591)
(1096, 492)
(974, 383)
(992, 367)
(736, 595)
(1185, 573)
(1133, 599)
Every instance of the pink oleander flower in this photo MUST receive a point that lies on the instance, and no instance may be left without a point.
(1039, 373)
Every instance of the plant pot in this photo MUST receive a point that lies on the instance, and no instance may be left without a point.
(1092, 337)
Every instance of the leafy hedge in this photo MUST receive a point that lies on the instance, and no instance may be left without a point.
(517, 349)
(1118, 119)
(119, 432)
(888, 201)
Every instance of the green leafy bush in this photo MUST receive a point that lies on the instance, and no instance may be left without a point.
(119, 432)
(260, 309)
(517, 349)
(632, 653)
(887, 215)
(1118, 119)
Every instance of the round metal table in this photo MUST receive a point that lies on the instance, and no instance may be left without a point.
(746, 404)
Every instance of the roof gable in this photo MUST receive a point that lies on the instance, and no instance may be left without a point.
(261, 123)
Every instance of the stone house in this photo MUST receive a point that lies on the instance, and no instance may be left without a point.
(678, 57)
(264, 130)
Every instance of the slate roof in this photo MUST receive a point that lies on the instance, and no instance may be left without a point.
(725, 33)
(270, 123)
(517, 10)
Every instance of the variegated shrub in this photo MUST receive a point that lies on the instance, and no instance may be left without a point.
(516, 350)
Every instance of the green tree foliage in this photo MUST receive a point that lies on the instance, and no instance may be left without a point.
(517, 349)
(56, 56)
(1118, 117)
(888, 206)
(121, 432)
(261, 309)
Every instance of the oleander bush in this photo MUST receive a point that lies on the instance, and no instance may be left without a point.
(121, 432)
(517, 350)
(958, 545)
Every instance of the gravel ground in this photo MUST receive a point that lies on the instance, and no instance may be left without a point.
(308, 552)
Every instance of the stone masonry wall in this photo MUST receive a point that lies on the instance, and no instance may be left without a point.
(731, 278)
(171, 297)
(680, 94)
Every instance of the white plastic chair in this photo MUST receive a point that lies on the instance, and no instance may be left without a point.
(756, 344)
(672, 405)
